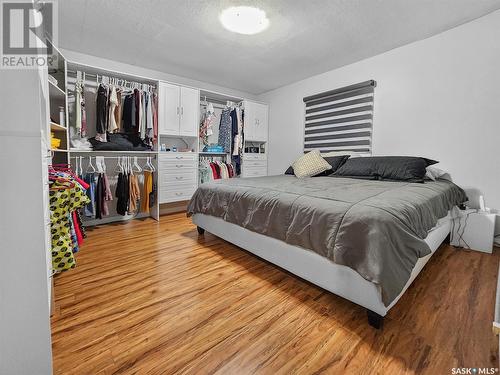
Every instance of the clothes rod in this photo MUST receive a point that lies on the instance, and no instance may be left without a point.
(123, 80)
(115, 157)
(220, 106)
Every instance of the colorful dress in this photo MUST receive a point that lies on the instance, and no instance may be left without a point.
(63, 201)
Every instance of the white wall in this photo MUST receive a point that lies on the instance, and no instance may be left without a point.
(25, 344)
(149, 73)
(438, 98)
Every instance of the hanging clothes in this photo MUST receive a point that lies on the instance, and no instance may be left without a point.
(215, 170)
(83, 112)
(113, 103)
(101, 113)
(99, 198)
(143, 115)
(90, 207)
(78, 106)
(206, 127)
(118, 110)
(128, 116)
(65, 196)
(225, 129)
(134, 193)
(155, 118)
(147, 190)
(122, 194)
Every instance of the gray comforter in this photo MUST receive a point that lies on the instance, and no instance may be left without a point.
(374, 227)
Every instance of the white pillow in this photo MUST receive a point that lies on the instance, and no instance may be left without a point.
(433, 172)
(310, 164)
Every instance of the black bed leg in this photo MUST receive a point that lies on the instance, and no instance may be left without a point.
(374, 319)
(200, 230)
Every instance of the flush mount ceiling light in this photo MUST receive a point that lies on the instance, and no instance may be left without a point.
(244, 20)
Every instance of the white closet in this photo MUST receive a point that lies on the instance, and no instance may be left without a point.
(178, 119)
(256, 123)
(178, 110)
(256, 137)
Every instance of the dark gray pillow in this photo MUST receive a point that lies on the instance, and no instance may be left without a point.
(389, 168)
(334, 161)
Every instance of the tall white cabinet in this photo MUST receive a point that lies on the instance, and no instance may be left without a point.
(256, 137)
(178, 117)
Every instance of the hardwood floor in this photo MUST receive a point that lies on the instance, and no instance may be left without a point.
(149, 298)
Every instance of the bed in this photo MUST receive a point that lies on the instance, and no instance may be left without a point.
(363, 240)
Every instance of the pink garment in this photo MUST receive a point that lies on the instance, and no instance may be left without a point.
(79, 236)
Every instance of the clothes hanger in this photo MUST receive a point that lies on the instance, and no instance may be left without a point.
(149, 166)
(90, 167)
(136, 165)
(81, 165)
(118, 168)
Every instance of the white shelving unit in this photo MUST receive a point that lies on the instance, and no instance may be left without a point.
(91, 74)
(178, 128)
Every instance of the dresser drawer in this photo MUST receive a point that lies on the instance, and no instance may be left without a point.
(178, 161)
(254, 172)
(179, 192)
(255, 163)
(176, 177)
(179, 156)
(254, 156)
(177, 165)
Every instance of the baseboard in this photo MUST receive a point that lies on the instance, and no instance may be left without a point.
(172, 208)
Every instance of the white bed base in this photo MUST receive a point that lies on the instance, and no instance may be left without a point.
(338, 279)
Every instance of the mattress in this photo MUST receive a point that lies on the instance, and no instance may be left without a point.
(377, 228)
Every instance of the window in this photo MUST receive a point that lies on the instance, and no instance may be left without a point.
(341, 119)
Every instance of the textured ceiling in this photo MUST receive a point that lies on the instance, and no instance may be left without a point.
(184, 37)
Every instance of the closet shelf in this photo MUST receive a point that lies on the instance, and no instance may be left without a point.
(56, 92)
(58, 150)
(111, 152)
(56, 127)
(212, 153)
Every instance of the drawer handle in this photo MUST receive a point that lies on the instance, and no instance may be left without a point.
(178, 193)
(178, 165)
(179, 157)
(179, 178)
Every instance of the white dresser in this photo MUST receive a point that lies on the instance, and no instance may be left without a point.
(254, 165)
(178, 173)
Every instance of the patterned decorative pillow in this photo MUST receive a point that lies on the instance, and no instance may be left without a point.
(310, 164)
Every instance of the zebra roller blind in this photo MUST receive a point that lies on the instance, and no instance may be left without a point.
(341, 119)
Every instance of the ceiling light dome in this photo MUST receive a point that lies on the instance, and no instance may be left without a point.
(244, 20)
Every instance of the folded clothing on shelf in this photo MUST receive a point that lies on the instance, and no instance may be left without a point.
(81, 144)
(213, 148)
(54, 142)
(120, 142)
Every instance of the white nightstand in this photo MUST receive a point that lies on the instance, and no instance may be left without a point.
(473, 230)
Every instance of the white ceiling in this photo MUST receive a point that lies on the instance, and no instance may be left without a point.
(305, 37)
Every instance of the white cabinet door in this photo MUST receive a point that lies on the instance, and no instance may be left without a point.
(189, 112)
(169, 109)
(261, 123)
(249, 121)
